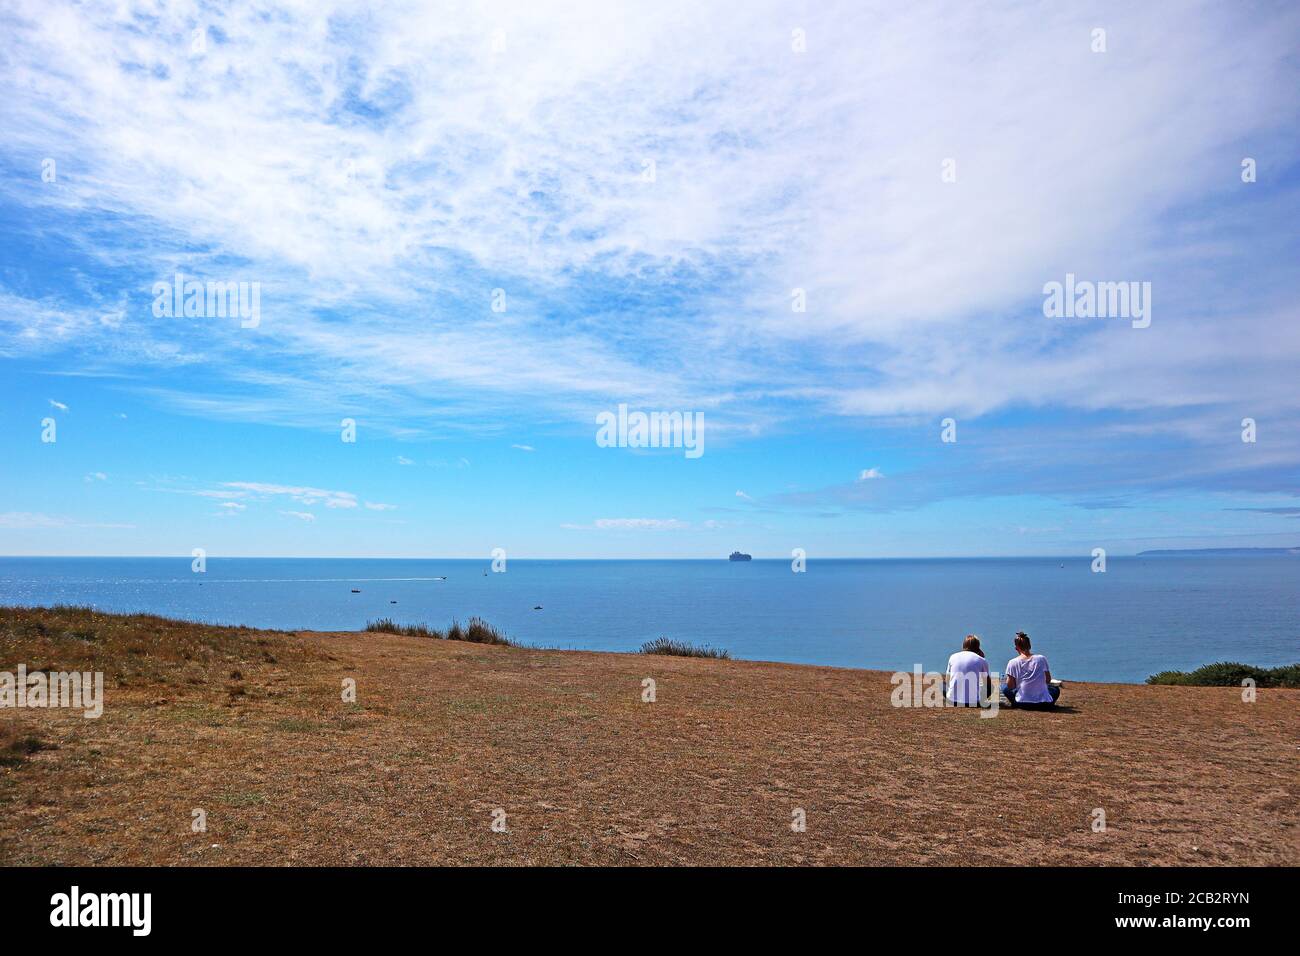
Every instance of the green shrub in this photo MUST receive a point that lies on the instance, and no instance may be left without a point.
(664, 645)
(1231, 674)
(478, 631)
(388, 626)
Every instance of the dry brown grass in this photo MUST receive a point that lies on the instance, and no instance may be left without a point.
(250, 726)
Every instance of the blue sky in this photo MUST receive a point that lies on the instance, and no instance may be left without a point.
(646, 188)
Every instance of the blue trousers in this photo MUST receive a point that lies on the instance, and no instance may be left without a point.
(1051, 689)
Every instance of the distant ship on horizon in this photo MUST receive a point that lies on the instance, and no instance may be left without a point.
(740, 556)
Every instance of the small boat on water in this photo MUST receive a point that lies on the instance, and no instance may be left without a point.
(356, 590)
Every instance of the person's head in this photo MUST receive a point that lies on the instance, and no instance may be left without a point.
(972, 644)
(1022, 642)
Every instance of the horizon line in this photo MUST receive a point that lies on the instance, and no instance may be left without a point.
(785, 558)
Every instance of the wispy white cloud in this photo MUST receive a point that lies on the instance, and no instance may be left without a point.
(402, 167)
(235, 495)
(630, 524)
(524, 447)
(299, 493)
(301, 515)
(867, 474)
(29, 520)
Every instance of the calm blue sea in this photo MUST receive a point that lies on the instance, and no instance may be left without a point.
(1143, 615)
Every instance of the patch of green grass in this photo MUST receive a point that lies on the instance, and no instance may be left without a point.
(671, 648)
(465, 706)
(244, 798)
(296, 725)
(131, 646)
(1231, 674)
(387, 625)
(477, 631)
(199, 713)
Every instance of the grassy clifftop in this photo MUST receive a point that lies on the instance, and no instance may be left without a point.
(380, 748)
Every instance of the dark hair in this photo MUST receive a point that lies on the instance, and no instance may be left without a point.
(1022, 641)
(972, 643)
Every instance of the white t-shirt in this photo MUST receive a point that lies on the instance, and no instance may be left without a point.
(965, 670)
(1031, 679)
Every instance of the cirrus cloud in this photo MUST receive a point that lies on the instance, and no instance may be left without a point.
(631, 524)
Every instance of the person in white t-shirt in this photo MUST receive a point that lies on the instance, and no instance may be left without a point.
(1029, 679)
(968, 674)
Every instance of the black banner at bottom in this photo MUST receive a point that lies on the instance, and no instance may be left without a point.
(334, 905)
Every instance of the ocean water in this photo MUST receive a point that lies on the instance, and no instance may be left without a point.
(1144, 614)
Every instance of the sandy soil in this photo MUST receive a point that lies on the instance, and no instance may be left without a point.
(250, 727)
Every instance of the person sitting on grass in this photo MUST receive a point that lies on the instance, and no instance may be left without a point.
(968, 674)
(1029, 679)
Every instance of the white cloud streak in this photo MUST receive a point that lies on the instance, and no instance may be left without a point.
(397, 167)
(631, 524)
